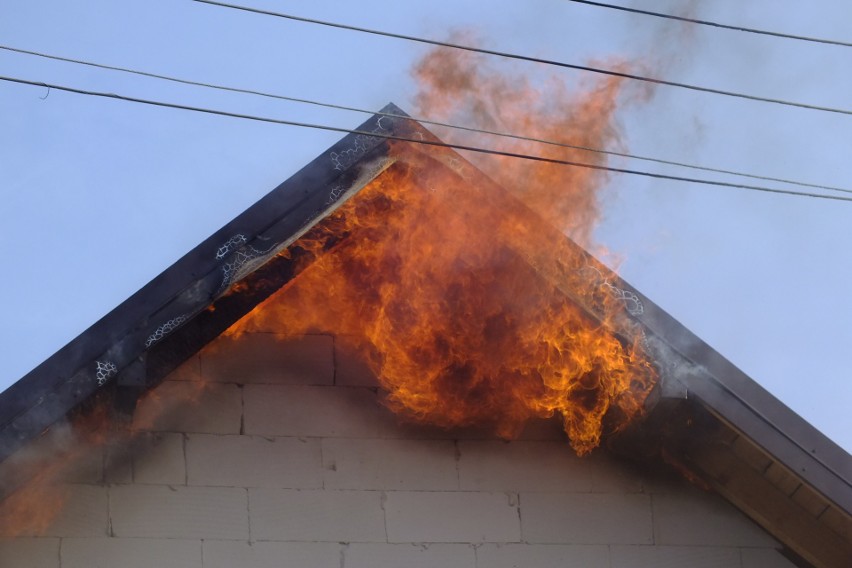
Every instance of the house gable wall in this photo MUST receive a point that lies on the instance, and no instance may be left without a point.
(272, 451)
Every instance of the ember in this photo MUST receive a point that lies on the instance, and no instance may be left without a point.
(470, 307)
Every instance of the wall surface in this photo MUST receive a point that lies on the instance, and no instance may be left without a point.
(273, 452)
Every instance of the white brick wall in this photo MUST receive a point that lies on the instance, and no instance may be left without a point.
(270, 358)
(73, 509)
(390, 464)
(275, 410)
(166, 511)
(497, 466)
(698, 518)
(160, 459)
(236, 554)
(351, 369)
(542, 556)
(586, 518)
(764, 558)
(274, 451)
(29, 552)
(372, 555)
(427, 516)
(130, 553)
(663, 556)
(308, 515)
(253, 461)
(191, 406)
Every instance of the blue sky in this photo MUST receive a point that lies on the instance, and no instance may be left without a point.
(99, 196)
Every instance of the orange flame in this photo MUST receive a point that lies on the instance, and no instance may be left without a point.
(47, 466)
(34, 508)
(470, 308)
(461, 88)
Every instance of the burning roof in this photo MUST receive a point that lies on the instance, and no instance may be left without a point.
(471, 308)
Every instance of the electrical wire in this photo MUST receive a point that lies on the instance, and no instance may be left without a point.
(714, 24)
(527, 58)
(418, 141)
(421, 120)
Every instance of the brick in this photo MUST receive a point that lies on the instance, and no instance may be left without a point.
(534, 430)
(389, 464)
(270, 358)
(52, 443)
(697, 518)
(130, 553)
(539, 466)
(408, 428)
(309, 515)
(551, 429)
(55, 510)
(159, 459)
(86, 466)
(118, 465)
(611, 474)
(157, 511)
(520, 466)
(593, 518)
(317, 411)
(253, 461)
(425, 516)
(234, 554)
(38, 454)
(348, 412)
(29, 552)
(177, 406)
(371, 555)
(674, 556)
(664, 480)
(83, 513)
(542, 556)
(351, 368)
(189, 370)
(764, 558)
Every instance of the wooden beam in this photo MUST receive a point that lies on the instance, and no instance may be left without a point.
(767, 505)
(131, 382)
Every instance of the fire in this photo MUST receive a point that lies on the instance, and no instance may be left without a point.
(462, 88)
(34, 508)
(468, 302)
(470, 306)
(57, 457)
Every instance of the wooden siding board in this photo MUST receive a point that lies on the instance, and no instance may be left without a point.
(765, 503)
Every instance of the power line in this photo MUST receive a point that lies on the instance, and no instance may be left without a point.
(418, 141)
(420, 120)
(714, 24)
(590, 69)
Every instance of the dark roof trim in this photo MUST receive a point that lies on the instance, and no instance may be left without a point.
(171, 300)
(737, 399)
